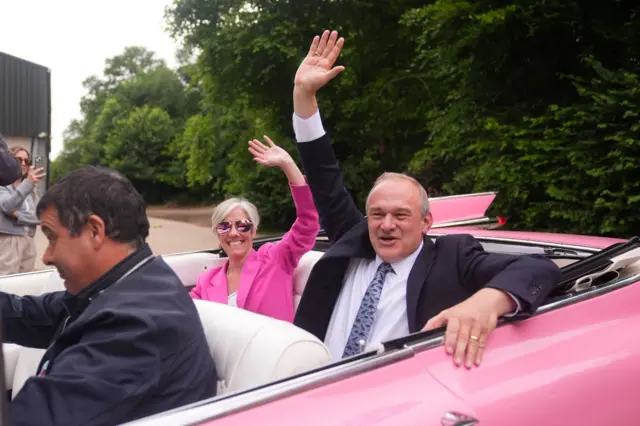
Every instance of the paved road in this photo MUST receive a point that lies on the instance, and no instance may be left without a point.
(165, 237)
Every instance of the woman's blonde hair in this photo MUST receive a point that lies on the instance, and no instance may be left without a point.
(17, 149)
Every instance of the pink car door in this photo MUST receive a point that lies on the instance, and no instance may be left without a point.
(575, 364)
(397, 393)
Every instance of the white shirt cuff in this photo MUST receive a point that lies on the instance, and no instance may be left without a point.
(518, 306)
(308, 129)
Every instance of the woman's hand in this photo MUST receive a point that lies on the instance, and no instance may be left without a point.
(275, 156)
(35, 175)
(269, 156)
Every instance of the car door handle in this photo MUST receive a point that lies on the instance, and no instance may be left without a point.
(454, 418)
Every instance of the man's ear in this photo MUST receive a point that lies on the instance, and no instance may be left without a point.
(428, 222)
(96, 227)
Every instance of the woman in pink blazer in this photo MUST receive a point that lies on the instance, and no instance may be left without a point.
(260, 281)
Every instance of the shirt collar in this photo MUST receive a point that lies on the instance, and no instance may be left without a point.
(402, 268)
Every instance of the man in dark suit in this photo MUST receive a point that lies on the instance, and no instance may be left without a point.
(383, 278)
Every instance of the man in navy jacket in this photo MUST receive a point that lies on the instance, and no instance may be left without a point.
(124, 341)
(383, 278)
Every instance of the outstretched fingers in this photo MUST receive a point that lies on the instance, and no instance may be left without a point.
(256, 154)
(331, 42)
(269, 141)
(258, 146)
(332, 55)
(323, 43)
(314, 46)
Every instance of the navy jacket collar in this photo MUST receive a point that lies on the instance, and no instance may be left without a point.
(77, 303)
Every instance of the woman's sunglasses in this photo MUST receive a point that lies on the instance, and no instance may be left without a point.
(241, 225)
(24, 161)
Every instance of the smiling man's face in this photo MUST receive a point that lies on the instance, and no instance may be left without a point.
(395, 219)
(71, 255)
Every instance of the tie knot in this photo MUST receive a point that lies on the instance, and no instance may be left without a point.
(384, 268)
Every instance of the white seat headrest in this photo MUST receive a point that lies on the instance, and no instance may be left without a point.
(20, 363)
(54, 283)
(301, 274)
(26, 366)
(11, 353)
(251, 349)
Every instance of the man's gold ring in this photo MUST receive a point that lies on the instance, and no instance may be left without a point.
(316, 54)
(474, 338)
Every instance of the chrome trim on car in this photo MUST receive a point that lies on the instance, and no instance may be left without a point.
(449, 197)
(527, 242)
(436, 341)
(243, 400)
(589, 294)
(454, 418)
(466, 222)
(430, 343)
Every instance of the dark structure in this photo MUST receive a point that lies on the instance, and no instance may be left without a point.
(25, 107)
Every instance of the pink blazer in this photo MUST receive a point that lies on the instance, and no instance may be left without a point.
(266, 281)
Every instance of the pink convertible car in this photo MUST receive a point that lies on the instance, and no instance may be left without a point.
(576, 361)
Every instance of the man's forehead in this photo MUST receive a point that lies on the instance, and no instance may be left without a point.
(49, 217)
(395, 189)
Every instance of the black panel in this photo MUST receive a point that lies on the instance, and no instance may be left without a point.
(24, 97)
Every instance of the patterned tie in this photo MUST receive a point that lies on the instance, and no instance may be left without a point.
(366, 314)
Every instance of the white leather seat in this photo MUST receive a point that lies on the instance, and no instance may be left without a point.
(28, 284)
(301, 274)
(53, 283)
(11, 353)
(20, 363)
(251, 349)
(188, 266)
(25, 367)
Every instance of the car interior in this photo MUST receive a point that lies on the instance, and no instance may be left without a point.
(259, 351)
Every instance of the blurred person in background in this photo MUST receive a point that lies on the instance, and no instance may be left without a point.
(18, 221)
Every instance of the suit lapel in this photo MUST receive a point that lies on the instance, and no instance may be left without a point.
(249, 271)
(417, 278)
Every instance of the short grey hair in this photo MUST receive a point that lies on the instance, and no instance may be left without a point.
(223, 209)
(424, 197)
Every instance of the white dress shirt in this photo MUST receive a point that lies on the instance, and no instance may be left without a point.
(233, 299)
(391, 315)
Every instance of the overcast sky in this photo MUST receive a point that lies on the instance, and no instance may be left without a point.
(74, 37)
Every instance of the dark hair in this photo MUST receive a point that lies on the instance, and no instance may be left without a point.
(102, 192)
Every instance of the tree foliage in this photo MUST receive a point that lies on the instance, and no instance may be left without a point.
(535, 99)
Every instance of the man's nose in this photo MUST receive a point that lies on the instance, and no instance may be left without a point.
(387, 222)
(47, 259)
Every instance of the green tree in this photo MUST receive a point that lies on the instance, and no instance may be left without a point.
(130, 118)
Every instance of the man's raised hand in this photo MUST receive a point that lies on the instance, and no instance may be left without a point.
(317, 68)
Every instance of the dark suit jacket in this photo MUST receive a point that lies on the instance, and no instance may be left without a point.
(445, 273)
(10, 170)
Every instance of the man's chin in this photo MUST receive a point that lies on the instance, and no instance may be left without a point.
(68, 284)
(388, 253)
